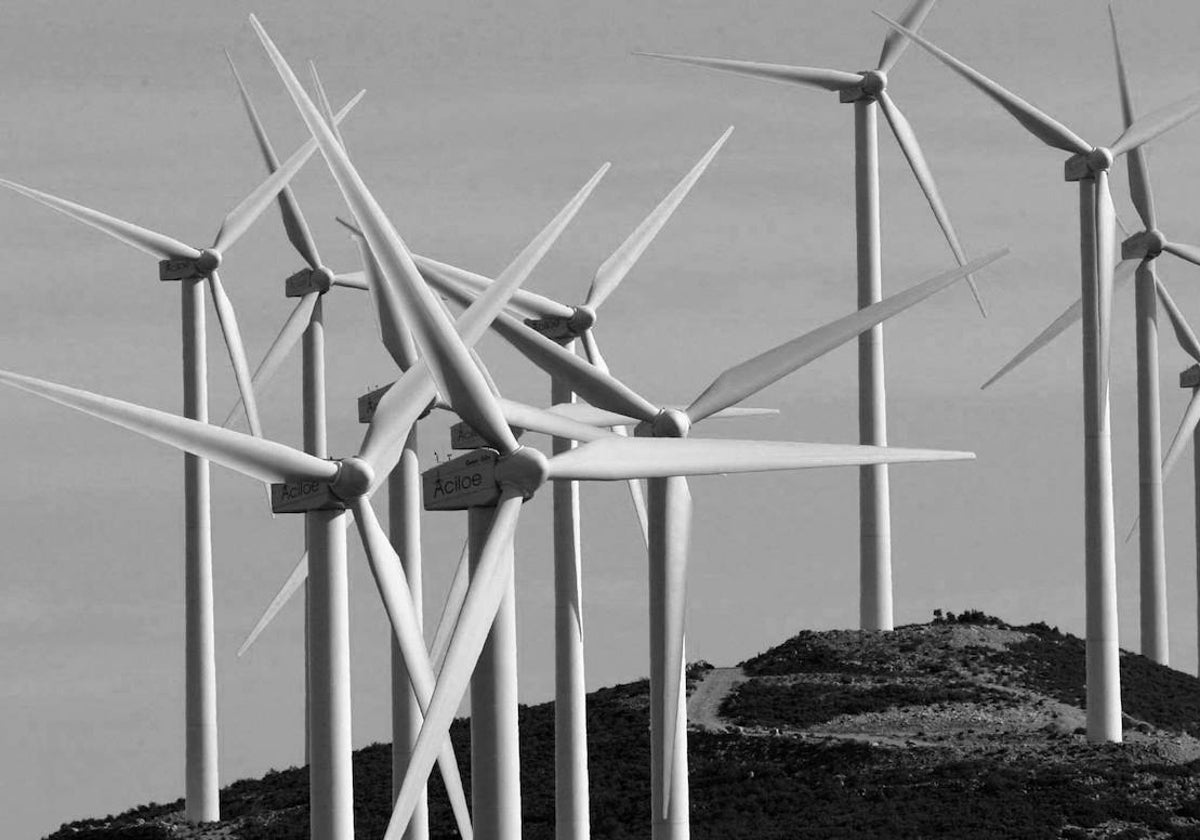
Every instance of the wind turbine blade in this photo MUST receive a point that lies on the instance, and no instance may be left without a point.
(323, 101)
(613, 270)
(290, 586)
(1183, 435)
(442, 351)
(1155, 123)
(289, 334)
(753, 375)
(255, 457)
(1069, 316)
(620, 459)
(548, 422)
(239, 219)
(451, 610)
(895, 44)
(147, 241)
(1139, 177)
(294, 224)
(396, 595)
(1183, 331)
(818, 77)
(677, 511)
(398, 409)
(527, 304)
(488, 585)
(1036, 122)
(397, 338)
(920, 168)
(237, 352)
(591, 349)
(352, 280)
(1185, 252)
(1106, 242)
(593, 385)
(590, 415)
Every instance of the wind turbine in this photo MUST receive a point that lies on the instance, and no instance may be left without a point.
(192, 267)
(670, 506)
(1089, 165)
(493, 482)
(865, 90)
(565, 324)
(1189, 426)
(1140, 251)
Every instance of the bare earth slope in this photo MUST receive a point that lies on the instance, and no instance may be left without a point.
(960, 728)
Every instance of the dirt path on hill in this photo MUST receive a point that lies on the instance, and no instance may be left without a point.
(704, 706)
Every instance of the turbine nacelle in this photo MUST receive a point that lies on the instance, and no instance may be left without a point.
(1082, 166)
(562, 330)
(1143, 246)
(308, 280)
(190, 268)
(874, 82)
(1190, 378)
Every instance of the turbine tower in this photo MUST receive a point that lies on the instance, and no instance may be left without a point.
(193, 267)
(866, 90)
(1089, 165)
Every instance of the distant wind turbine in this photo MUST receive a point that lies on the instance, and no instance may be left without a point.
(865, 90)
(192, 267)
(1089, 165)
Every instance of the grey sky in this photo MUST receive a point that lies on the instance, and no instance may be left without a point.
(481, 119)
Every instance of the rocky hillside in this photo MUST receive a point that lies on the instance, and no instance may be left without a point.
(965, 727)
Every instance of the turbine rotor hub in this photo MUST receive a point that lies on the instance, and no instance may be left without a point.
(354, 478)
(1100, 159)
(208, 261)
(671, 423)
(322, 278)
(583, 318)
(1155, 243)
(525, 469)
(874, 82)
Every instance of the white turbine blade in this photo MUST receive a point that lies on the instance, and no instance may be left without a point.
(1155, 123)
(590, 415)
(1183, 331)
(237, 352)
(677, 537)
(1185, 252)
(920, 168)
(352, 280)
(1036, 122)
(397, 338)
(155, 244)
(442, 350)
(527, 304)
(595, 386)
(289, 334)
(451, 609)
(1183, 435)
(751, 376)
(294, 223)
(895, 44)
(255, 457)
(613, 270)
(1106, 243)
(398, 409)
(323, 101)
(488, 584)
(818, 77)
(397, 598)
(1069, 316)
(548, 422)
(620, 459)
(1139, 176)
(591, 348)
(290, 586)
(240, 218)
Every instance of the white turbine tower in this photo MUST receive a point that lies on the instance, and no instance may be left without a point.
(1089, 165)
(670, 505)
(1139, 251)
(192, 267)
(865, 90)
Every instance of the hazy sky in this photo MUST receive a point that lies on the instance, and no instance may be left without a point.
(481, 119)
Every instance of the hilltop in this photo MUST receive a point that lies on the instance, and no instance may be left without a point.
(964, 727)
